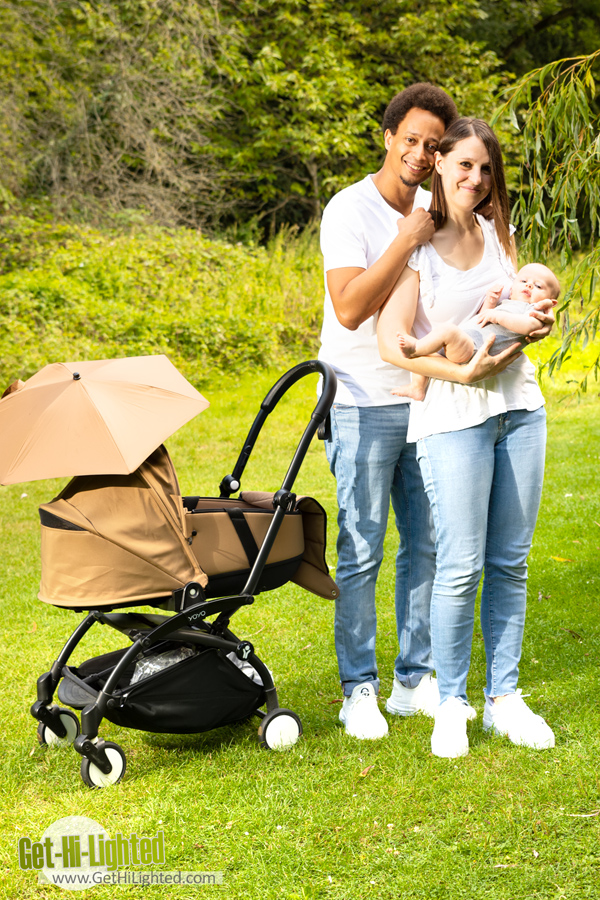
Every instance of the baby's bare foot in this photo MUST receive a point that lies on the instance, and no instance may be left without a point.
(411, 391)
(408, 345)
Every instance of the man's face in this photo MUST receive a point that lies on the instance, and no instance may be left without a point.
(411, 151)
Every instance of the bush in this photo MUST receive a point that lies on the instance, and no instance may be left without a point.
(70, 292)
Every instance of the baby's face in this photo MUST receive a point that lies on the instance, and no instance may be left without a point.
(534, 282)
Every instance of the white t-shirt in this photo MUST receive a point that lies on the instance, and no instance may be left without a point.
(451, 295)
(357, 227)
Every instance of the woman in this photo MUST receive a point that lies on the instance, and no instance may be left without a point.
(480, 446)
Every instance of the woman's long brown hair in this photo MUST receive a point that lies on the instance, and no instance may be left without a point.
(498, 196)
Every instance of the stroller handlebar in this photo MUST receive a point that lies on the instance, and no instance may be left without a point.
(231, 483)
(300, 371)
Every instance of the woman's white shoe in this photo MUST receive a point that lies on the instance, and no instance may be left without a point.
(449, 738)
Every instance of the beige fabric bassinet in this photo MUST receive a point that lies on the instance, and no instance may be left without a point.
(114, 540)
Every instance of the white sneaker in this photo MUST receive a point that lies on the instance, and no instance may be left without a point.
(361, 715)
(449, 738)
(424, 698)
(513, 718)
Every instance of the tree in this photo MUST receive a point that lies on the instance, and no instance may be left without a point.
(308, 81)
(228, 112)
(107, 103)
(527, 34)
(558, 208)
(221, 111)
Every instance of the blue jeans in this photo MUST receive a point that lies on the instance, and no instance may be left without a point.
(372, 463)
(484, 485)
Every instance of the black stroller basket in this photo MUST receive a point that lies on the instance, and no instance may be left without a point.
(187, 672)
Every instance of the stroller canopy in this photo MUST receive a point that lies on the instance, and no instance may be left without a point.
(115, 539)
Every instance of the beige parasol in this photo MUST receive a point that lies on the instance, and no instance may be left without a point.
(101, 417)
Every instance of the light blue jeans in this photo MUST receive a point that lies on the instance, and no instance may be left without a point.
(484, 485)
(372, 463)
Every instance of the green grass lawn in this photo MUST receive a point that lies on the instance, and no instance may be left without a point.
(332, 818)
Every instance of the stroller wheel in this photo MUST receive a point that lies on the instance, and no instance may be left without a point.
(92, 775)
(279, 730)
(47, 737)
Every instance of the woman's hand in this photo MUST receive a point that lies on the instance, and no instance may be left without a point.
(485, 366)
(543, 310)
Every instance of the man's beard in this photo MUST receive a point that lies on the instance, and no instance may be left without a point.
(414, 183)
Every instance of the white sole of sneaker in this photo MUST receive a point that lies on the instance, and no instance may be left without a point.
(360, 737)
(404, 711)
(548, 744)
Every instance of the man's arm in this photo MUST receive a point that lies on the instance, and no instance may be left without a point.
(358, 293)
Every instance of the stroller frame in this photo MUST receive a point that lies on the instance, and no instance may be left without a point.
(103, 762)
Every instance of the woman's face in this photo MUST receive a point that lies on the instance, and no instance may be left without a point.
(466, 174)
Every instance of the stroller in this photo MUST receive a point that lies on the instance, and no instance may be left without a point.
(112, 542)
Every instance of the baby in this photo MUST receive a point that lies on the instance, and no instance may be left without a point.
(508, 320)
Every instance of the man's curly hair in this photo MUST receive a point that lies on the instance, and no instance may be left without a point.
(424, 96)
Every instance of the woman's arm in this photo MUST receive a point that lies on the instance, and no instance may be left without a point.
(404, 298)
(397, 315)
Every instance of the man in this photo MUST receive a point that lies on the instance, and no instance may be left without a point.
(368, 233)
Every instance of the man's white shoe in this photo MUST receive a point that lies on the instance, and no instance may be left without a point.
(512, 717)
(449, 738)
(361, 714)
(424, 698)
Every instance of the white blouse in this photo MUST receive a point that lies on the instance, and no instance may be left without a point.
(451, 295)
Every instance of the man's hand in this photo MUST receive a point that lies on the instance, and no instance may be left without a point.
(543, 310)
(417, 227)
(358, 293)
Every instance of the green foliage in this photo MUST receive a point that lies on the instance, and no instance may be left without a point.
(105, 104)
(309, 82)
(557, 210)
(237, 113)
(69, 292)
(527, 34)
(242, 114)
(220, 112)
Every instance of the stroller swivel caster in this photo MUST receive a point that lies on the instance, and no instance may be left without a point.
(95, 778)
(71, 724)
(279, 730)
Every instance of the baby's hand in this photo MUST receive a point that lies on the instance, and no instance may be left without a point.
(488, 317)
(492, 298)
